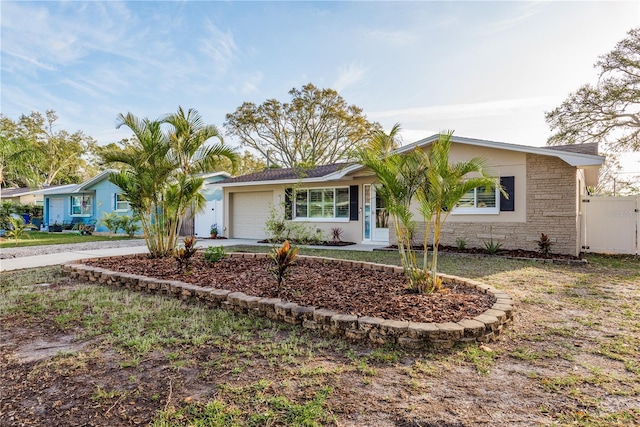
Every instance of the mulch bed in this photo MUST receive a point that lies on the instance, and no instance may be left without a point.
(308, 243)
(316, 283)
(507, 253)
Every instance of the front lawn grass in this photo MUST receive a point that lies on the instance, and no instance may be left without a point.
(36, 238)
(571, 357)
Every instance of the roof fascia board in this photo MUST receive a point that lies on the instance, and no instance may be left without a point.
(274, 182)
(102, 175)
(212, 174)
(69, 189)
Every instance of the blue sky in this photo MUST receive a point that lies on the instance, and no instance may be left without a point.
(484, 69)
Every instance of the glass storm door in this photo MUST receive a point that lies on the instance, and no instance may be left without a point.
(380, 223)
(376, 217)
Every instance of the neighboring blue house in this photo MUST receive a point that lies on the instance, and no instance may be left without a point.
(84, 202)
(87, 202)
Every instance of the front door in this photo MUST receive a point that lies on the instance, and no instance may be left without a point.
(376, 216)
(381, 223)
(56, 210)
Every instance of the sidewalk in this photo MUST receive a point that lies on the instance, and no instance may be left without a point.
(19, 263)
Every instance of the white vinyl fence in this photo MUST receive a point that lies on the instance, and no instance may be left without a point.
(610, 224)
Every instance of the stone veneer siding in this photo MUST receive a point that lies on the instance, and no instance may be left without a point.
(551, 209)
(482, 328)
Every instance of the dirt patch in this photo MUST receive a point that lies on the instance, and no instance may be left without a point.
(320, 284)
(41, 349)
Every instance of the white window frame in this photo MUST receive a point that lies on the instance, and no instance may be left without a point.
(86, 205)
(321, 219)
(475, 210)
(117, 202)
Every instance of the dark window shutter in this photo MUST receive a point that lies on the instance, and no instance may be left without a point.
(288, 207)
(353, 203)
(507, 183)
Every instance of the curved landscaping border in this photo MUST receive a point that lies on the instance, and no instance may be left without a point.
(482, 328)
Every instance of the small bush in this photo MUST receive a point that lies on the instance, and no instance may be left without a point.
(18, 227)
(544, 244)
(276, 225)
(283, 258)
(130, 225)
(184, 253)
(111, 220)
(214, 254)
(461, 243)
(336, 234)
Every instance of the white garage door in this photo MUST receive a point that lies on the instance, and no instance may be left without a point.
(249, 212)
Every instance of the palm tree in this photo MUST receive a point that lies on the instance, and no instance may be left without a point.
(443, 188)
(192, 150)
(398, 177)
(143, 179)
(385, 143)
(159, 175)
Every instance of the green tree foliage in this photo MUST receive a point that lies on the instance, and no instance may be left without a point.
(246, 163)
(159, 168)
(428, 177)
(609, 111)
(16, 156)
(443, 187)
(316, 127)
(34, 153)
(114, 149)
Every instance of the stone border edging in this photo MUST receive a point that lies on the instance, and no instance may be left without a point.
(482, 328)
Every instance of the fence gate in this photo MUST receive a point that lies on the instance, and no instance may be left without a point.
(610, 224)
(187, 228)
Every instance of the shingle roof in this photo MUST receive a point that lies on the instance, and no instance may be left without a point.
(589, 148)
(12, 192)
(287, 174)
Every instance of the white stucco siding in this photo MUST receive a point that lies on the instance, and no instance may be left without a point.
(499, 163)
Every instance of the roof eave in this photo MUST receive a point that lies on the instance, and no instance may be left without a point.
(271, 182)
(102, 175)
(573, 159)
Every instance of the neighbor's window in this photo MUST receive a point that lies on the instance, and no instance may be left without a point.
(121, 203)
(322, 203)
(81, 205)
(478, 201)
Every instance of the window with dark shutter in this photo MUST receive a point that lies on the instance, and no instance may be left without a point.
(507, 183)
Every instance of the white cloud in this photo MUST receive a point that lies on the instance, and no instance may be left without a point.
(250, 85)
(30, 60)
(525, 12)
(396, 38)
(220, 46)
(460, 111)
(349, 76)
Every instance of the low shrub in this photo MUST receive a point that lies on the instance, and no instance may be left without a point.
(283, 258)
(492, 247)
(214, 254)
(183, 253)
(544, 244)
